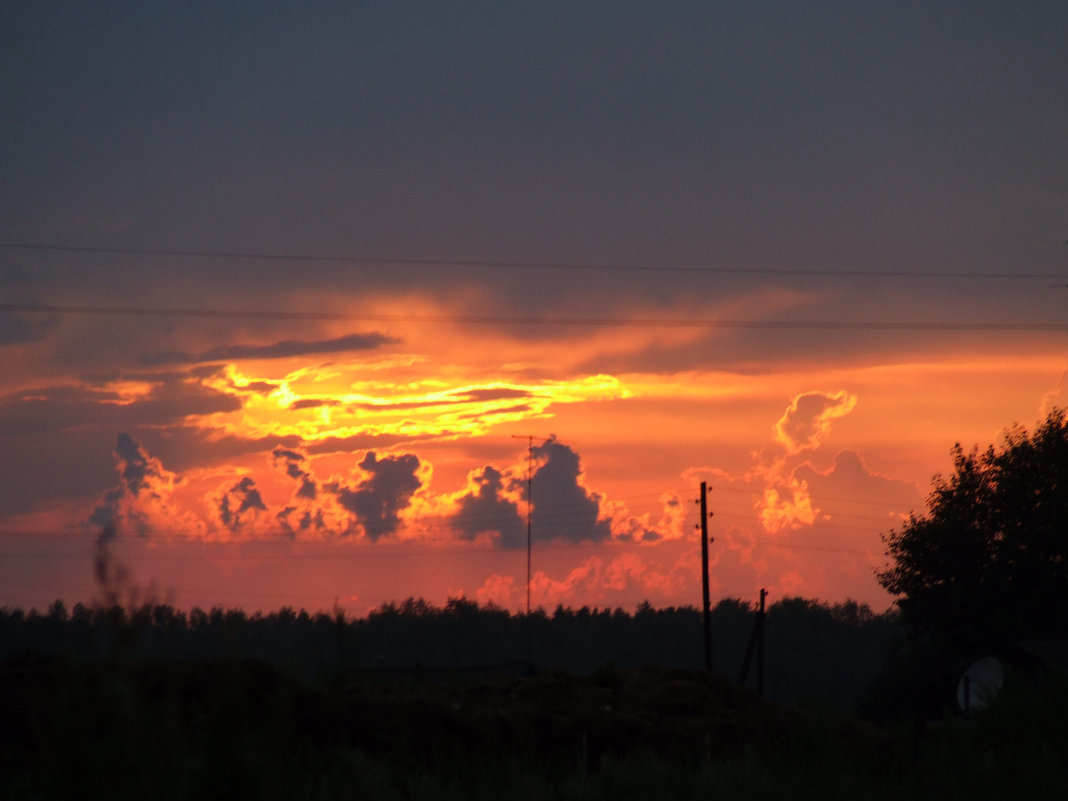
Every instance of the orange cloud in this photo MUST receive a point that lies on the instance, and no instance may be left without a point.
(500, 591)
(791, 582)
(808, 419)
(670, 525)
(785, 501)
(788, 505)
(627, 575)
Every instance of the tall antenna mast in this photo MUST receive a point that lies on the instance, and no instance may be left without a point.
(530, 502)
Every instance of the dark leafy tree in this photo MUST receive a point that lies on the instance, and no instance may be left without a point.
(988, 563)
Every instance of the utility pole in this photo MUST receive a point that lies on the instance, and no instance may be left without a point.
(760, 645)
(706, 602)
(756, 644)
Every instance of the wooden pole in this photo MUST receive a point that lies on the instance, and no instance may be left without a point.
(756, 643)
(760, 644)
(706, 602)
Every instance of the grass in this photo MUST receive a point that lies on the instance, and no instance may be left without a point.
(238, 731)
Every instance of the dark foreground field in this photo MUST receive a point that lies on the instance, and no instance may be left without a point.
(244, 729)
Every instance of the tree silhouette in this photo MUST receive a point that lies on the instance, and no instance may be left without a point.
(988, 563)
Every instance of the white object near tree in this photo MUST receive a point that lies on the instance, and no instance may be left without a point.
(980, 684)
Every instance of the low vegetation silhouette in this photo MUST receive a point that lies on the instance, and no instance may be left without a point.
(817, 652)
(114, 703)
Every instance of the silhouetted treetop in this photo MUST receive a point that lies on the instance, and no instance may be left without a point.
(989, 560)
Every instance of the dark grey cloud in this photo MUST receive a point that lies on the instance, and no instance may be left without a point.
(63, 435)
(233, 506)
(563, 508)
(313, 403)
(377, 501)
(486, 510)
(516, 409)
(174, 402)
(293, 462)
(42, 466)
(455, 398)
(400, 406)
(492, 394)
(104, 514)
(304, 512)
(137, 469)
(263, 387)
(277, 350)
(16, 329)
(282, 453)
(302, 518)
(50, 409)
(112, 576)
(61, 408)
(141, 477)
(168, 377)
(182, 447)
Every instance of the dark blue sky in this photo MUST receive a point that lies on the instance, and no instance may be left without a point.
(902, 136)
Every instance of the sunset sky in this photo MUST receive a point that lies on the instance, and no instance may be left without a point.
(287, 290)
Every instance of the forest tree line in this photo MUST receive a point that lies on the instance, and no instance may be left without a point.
(818, 652)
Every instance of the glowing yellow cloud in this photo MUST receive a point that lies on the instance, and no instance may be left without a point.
(341, 401)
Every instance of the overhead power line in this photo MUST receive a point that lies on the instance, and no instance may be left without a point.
(399, 261)
(544, 320)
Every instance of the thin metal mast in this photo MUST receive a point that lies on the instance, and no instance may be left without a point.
(530, 501)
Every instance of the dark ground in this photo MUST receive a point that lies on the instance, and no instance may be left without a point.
(105, 728)
(243, 728)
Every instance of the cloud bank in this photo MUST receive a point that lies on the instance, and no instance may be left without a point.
(284, 349)
(377, 501)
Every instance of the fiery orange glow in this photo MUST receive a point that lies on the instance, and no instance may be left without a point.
(350, 352)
